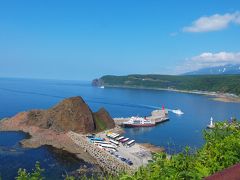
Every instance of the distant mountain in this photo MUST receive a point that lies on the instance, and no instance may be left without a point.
(226, 69)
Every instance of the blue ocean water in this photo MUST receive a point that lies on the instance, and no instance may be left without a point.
(24, 94)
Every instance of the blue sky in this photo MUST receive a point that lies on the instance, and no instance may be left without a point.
(87, 39)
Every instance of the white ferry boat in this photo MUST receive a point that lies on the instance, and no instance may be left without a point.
(138, 122)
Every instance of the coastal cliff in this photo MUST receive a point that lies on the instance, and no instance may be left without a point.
(97, 82)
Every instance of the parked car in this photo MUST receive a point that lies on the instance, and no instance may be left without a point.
(129, 162)
(123, 159)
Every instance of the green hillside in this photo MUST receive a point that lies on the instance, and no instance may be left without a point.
(211, 83)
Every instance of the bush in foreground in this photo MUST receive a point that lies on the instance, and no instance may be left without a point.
(221, 150)
(36, 173)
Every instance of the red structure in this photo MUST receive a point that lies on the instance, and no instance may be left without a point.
(232, 173)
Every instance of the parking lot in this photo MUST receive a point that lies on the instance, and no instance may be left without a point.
(136, 154)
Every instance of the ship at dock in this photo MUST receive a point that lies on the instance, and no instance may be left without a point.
(157, 116)
(138, 122)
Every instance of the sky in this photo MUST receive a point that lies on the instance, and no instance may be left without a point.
(82, 40)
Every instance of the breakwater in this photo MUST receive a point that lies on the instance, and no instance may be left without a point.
(105, 160)
(157, 116)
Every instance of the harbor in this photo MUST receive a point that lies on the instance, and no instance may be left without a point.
(157, 116)
(112, 151)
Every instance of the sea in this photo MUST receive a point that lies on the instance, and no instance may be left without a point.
(18, 95)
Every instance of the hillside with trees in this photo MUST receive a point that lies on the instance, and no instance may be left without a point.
(211, 83)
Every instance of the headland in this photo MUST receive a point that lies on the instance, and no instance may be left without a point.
(224, 88)
(68, 125)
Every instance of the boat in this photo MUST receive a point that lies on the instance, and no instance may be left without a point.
(102, 87)
(138, 122)
(178, 112)
(211, 125)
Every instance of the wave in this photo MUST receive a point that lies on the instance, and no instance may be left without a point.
(30, 92)
(125, 104)
(88, 99)
(150, 106)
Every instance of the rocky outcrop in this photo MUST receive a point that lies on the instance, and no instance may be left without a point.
(97, 82)
(103, 120)
(72, 114)
(51, 127)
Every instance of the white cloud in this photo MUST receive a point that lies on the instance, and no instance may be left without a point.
(208, 59)
(221, 57)
(213, 23)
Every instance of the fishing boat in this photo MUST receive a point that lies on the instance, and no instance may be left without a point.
(138, 122)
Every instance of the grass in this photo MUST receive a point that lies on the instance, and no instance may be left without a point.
(100, 124)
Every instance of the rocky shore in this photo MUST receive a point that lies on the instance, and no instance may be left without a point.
(152, 148)
(50, 127)
(40, 137)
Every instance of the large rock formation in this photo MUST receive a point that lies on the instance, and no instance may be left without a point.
(103, 120)
(72, 114)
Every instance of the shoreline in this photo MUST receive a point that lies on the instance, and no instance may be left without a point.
(152, 148)
(38, 137)
(80, 147)
(222, 97)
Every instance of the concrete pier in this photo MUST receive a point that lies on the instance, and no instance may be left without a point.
(157, 116)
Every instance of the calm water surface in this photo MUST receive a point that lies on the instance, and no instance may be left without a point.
(21, 95)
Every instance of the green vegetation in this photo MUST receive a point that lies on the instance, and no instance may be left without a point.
(221, 150)
(100, 124)
(212, 83)
(36, 173)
